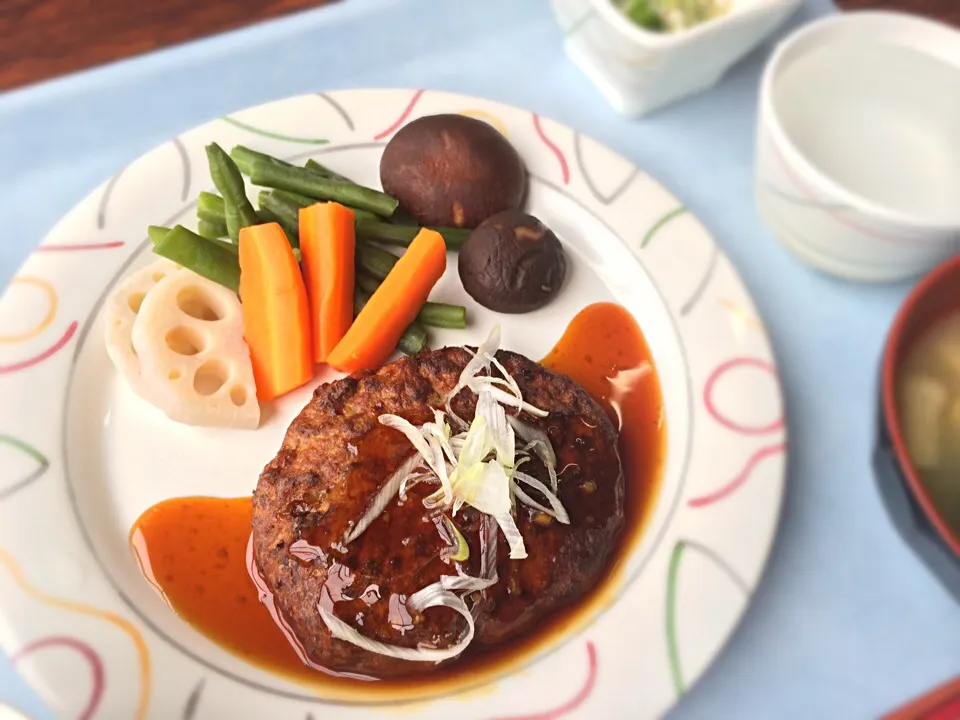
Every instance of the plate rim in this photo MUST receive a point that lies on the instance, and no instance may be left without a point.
(717, 257)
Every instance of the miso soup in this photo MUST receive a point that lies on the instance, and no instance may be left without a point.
(928, 400)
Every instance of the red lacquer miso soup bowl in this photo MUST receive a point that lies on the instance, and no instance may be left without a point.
(917, 459)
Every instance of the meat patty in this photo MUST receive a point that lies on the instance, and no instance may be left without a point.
(336, 456)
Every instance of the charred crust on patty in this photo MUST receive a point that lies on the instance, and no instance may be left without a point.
(335, 456)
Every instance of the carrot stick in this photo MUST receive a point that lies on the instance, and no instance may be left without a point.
(377, 329)
(276, 316)
(327, 246)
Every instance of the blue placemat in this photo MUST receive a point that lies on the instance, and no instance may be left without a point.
(846, 623)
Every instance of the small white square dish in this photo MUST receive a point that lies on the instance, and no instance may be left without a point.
(639, 70)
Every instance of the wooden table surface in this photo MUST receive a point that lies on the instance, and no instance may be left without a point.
(945, 10)
(40, 39)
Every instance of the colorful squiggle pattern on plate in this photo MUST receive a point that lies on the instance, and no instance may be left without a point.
(57, 247)
(49, 352)
(702, 283)
(488, 118)
(552, 147)
(562, 169)
(98, 677)
(660, 223)
(739, 428)
(402, 119)
(52, 302)
(573, 703)
(740, 478)
(673, 573)
(742, 315)
(339, 109)
(193, 701)
(274, 135)
(718, 373)
(128, 628)
(39, 358)
(43, 465)
(588, 179)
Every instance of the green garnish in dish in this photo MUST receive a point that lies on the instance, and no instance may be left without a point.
(643, 14)
(672, 15)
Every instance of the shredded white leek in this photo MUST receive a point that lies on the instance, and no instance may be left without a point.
(556, 507)
(537, 441)
(477, 363)
(499, 432)
(386, 493)
(514, 539)
(478, 466)
(529, 501)
(484, 486)
(431, 596)
(411, 480)
(488, 549)
(431, 451)
(457, 548)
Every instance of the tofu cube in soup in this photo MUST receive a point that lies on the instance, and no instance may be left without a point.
(923, 401)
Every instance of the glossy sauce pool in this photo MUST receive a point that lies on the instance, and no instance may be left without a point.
(193, 550)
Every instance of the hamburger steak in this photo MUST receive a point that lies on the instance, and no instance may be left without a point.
(336, 456)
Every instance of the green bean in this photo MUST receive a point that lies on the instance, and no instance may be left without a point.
(402, 217)
(375, 262)
(287, 205)
(245, 158)
(156, 233)
(268, 217)
(366, 283)
(226, 245)
(210, 208)
(235, 249)
(404, 234)
(325, 171)
(207, 258)
(210, 229)
(358, 213)
(414, 338)
(233, 221)
(432, 314)
(226, 176)
(364, 216)
(443, 315)
(279, 211)
(301, 201)
(298, 201)
(312, 184)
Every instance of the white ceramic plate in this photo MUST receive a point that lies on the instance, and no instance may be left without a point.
(81, 457)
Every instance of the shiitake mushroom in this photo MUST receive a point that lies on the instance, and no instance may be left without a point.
(452, 170)
(512, 263)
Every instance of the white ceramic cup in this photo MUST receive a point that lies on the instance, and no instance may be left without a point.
(858, 148)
